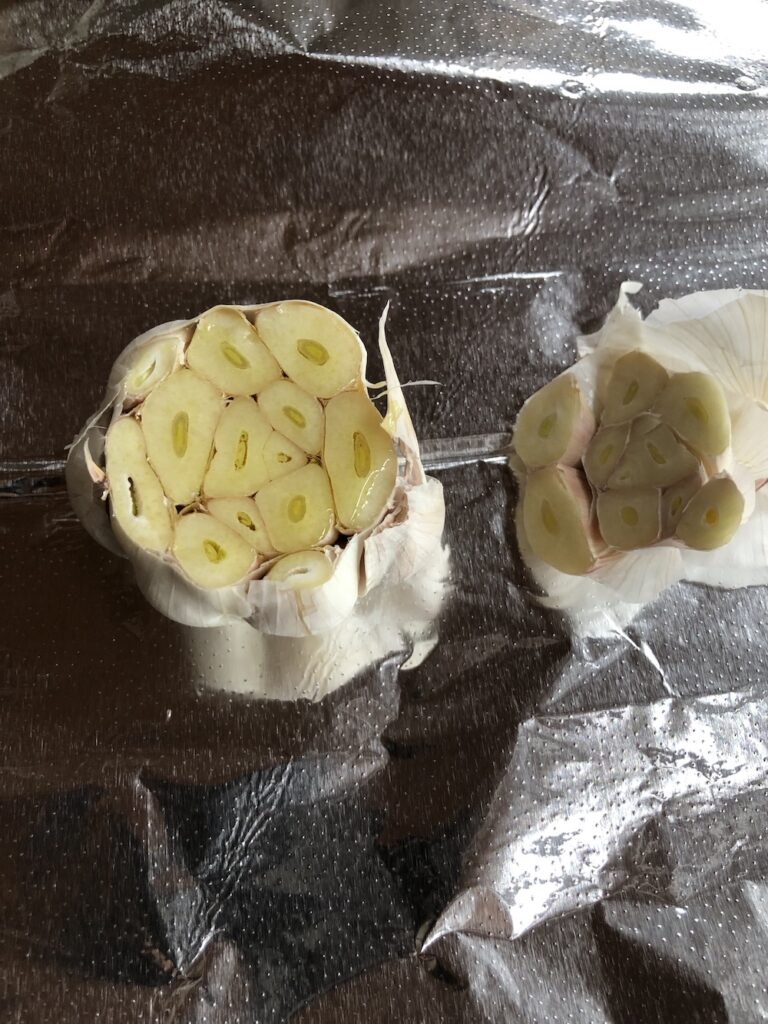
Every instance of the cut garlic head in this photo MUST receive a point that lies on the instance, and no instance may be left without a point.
(255, 423)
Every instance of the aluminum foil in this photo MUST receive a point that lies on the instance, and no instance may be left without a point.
(467, 814)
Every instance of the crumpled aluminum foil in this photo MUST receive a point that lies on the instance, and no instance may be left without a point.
(468, 814)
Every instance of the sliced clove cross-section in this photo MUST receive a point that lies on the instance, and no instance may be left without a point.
(243, 516)
(298, 509)
(633, 386)
(152, 363)
(238, 467)
(227, 350)
(712, 516)
(360, 458)
(629, 519)
(282, 456)
(209, 552)
(694, 406)
(316, 348)
(654, 459)
(604, 451)
(557, 519)
(554, 425)
(179, 419)
(302, 570)
(139, 506)
(295, 413)
(674, 501)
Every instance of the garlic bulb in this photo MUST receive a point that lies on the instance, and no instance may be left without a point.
(643, 464)
(238, 461)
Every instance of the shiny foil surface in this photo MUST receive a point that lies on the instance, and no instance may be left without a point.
(455, 811)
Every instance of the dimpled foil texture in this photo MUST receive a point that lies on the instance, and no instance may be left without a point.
(461, 810)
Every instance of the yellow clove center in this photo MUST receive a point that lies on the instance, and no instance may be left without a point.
(696, 408)
(549, 518)
(294, 416)
(297, 508)
(630, 393)
(234, 356)
(313, 351)
(214, 552)
(547, 425)
(180, 433)
(241, 452)
(629, 515)
(362, 452)
(246, 521)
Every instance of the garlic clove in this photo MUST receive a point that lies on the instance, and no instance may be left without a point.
(360, 458)
(654, 459)
(712, 516)
(694, 406)
(298, 509)
(179, 419)
(238, 467)
(301, 570)
(242, 515)
(317, 349)
(295, 414)
(227, 350)
(554, 425)
(139, 506)
(209, 552)
(604, 452)
(674, 500)
(557, 519)
(282, 456)
(152, 363)
(635, 382)
(629, 519)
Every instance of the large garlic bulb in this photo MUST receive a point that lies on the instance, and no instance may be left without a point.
(643, 464)
(240, 464)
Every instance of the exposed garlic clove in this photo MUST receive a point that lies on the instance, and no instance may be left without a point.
(557, 519)
(152, 363)
(301, 570)
(675, 499)
(603, 453)
(634, 384)
(295, 414)
(227, 350)
(694, 406)
(629, 519)
(179, 419)
(298, 509)
(209, 552)
(238, 467)
(242, 515)
(138, 502)
(712, 516)
(554, 425)
(655, 459)
(360, 459)
(317, 349)
(282, 456)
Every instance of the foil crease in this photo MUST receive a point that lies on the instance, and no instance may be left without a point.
(464, 812)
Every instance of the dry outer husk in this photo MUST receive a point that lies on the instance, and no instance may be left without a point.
(721, 333)
(395, 548)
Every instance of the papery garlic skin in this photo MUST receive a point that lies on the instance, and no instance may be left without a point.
(691, 389)
(404, 513)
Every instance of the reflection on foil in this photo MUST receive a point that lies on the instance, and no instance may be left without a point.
(662, 801)
(391, 619)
